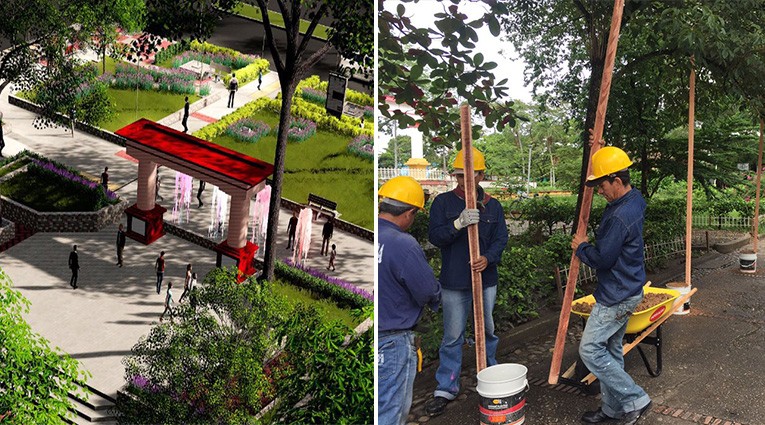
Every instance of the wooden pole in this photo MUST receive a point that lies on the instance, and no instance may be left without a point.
(475, 252)
(689, 178)
(584, 213)
(756, 225)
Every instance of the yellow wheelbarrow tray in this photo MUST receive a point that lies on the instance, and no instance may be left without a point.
(640, 320)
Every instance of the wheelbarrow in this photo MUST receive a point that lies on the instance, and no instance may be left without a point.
(639, 329)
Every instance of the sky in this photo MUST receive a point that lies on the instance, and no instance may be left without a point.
(493, 49)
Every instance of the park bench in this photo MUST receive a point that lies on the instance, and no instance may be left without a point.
(322, 206)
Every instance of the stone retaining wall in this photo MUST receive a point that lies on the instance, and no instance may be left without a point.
(7, 231)
(190, 236)
(62, 221)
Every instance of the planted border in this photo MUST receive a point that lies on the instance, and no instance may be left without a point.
(338, 290)
(362, 146)
(248, 130)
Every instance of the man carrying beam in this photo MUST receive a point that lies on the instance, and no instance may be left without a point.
(448, 222)
(406, 285)
(619, 261)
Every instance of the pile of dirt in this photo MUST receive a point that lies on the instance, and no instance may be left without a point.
(649, 301)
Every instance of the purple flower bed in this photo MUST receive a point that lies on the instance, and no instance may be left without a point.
(313, 95)
(73, 176)
(362, 146)
(301, 129)
(179, 81)
(333, 280)
(248, 130)
(231, 61)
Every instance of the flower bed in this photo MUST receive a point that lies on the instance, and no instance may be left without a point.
(222, 58)
(313, 95)
(362, 146)
(178, 81)
(248, 130)
(301, 129)
(339, 290)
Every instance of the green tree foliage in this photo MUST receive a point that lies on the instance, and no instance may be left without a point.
(235, 347)
(107, 17)
(351, 34)
(35, 379)
(434, 68)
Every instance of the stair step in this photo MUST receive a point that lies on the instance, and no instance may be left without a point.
(91, 415)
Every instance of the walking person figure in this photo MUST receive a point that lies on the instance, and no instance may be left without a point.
(186, 283)
(406, 285)
(74, 265)
(233, 86)
(120, 244)
(291, 229)
(159, 267)
(105, 179)
(202, 185)
(332, 255)
(168, 302)
(185, 119)
(619, 261)
(157, 183)
(260, 78)
(449, 220)
(326, 235)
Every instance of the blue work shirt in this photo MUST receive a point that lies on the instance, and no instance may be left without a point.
(455, 253)
(405, 281)
(617, 255)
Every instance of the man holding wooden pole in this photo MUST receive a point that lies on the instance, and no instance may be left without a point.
(618, 258)
(449, 219)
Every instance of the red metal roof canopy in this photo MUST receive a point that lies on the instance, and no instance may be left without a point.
(186, 147)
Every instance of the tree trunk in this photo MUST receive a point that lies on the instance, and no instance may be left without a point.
(285, 117)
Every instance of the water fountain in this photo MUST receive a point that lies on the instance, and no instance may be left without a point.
(182, 197)
(303, 236)
(260, 218)
(218, 214)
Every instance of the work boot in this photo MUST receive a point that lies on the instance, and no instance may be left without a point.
(631, 418)
(597, 417)
(436, 406)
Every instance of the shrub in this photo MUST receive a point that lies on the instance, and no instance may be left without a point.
(249, 72)
(171, 51)
(248, 130)
(226, 59)
(204, 90)
(345, 294)
(301, 129)
(179, 81)
(313, 95)
(362, 146)
(313, 82)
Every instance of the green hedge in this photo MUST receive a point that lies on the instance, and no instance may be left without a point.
(352, 96)
(171, 51)
(320, 286)
(248, 73)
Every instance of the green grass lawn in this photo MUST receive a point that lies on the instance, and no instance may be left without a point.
(151, 104)
(276, 20)
(320, 165)
(293, 294)
(18, 164)
(47, 194)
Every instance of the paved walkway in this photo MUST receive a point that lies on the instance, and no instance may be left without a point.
(114, 307)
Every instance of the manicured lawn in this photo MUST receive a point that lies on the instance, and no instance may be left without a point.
(330, 310)
(320, 165)
(151, 104)
(47, 194)
(276, 20)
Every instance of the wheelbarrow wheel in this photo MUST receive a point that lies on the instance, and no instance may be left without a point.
(580, 372)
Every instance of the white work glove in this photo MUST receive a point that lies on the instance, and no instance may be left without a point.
(467, 217)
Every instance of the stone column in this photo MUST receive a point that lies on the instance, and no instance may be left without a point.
(237, 221)
(147, 184)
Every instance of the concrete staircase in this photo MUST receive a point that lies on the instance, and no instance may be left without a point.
(97, 409)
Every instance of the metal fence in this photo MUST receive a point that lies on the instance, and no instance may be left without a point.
(704, 221)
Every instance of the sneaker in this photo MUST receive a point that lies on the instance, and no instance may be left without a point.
(436, 406)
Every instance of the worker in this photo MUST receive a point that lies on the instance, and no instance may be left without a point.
(617, 256)
(448, 231)
(406, 284)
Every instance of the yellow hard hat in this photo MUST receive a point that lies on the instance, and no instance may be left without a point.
(608, 160)
(403, 189)
(479, 163)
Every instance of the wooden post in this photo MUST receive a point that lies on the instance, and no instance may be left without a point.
(689, 178)
(584, 213)
(470, 202)
(756, 225)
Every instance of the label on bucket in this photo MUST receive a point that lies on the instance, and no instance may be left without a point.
(657, 314)
(748, 264)
(503, 410)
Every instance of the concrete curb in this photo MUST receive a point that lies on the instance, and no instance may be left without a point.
(728, 247)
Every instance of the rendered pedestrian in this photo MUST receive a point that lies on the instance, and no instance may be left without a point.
(202, 185)
(120, 244)
(449, 220)
(105, 179)
(332, 256)
(168, 302)
(2, 138)
(619, 261)
(326, 235)
(406, 284)
(292, 229)
(157, 184)
(233, 86)
(185, 119)
(186, 283)
(74, 266)
(260, 78)
(159, 267)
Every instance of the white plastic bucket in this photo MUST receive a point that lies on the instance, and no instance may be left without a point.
(685, 308)
(748, 262)
(502, 390)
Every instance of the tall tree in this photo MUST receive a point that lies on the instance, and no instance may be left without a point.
(351, 33)
(108, 17)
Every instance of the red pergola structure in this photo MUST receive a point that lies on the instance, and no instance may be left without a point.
(238, 175)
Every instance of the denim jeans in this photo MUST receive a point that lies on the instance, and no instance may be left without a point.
(601, 352)
(396, 368)
(457, 309)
